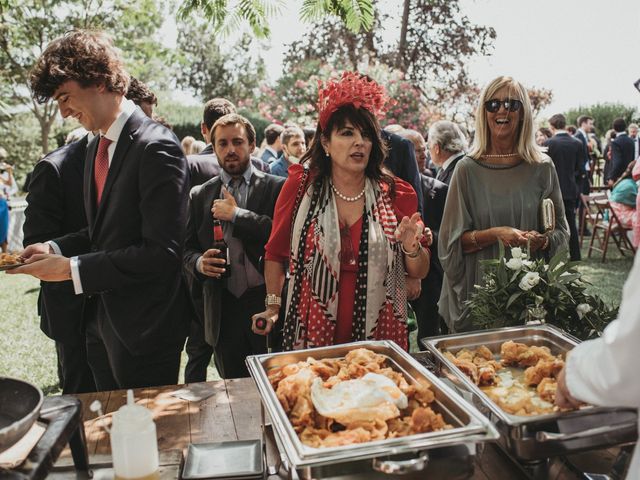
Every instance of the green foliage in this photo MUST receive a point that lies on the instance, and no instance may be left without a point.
(431, 49)
(294, 96)
(19, 136)
(519, 290)
(603, 115)
(225, 18)
(358, 15)
(185, 119)
(207, 71)
(28, 26)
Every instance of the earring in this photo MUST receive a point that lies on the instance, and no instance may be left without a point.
(326, 154)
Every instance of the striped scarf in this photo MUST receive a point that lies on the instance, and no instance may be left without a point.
(312, 300)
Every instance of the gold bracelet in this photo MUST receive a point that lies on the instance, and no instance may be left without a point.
(474, 241)
(411, 254)
(545, 245)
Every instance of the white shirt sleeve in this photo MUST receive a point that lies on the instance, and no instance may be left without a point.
(75, 275)
(54, 246)
(605, 371)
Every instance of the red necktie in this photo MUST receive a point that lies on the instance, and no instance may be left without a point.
(101, 167)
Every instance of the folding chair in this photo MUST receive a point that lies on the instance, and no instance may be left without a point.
(590, 213)
(610, 227)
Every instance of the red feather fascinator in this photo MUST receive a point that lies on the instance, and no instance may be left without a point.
(351, 89)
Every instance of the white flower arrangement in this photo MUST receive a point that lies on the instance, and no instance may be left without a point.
(518, 289)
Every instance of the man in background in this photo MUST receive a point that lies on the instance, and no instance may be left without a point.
(567, 154)
(293, 148)
(274, 145)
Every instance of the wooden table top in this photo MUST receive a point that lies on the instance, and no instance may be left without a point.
(233, 413)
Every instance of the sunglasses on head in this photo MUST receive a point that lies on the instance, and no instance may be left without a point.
(509, 104)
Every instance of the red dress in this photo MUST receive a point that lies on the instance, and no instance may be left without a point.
(278, 248)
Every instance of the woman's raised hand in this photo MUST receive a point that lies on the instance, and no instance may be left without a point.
(410, 232)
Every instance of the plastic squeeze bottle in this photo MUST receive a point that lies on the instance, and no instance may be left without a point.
(134, 444)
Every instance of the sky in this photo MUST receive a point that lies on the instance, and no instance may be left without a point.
(585, 51)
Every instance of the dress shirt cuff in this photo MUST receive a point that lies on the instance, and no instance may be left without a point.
(239, 212)
(199, 265)
(54, 246)
(75, 275)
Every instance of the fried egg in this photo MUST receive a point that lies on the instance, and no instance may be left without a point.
(372, 397)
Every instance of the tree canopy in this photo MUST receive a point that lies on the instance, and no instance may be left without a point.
(27, 26)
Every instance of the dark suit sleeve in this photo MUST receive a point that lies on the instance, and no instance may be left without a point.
(412, 175)
(44, 215)
(163, 189)
(192, 248)
(617, 161)
(255, 227)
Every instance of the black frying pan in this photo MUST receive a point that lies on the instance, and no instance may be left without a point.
(20, 404)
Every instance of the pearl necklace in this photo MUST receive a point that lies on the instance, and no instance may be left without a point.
(505, 155)
(344, 197)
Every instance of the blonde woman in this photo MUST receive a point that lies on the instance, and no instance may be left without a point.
(495, 196)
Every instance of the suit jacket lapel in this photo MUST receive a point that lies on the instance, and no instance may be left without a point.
(255, 191)
(124, 143)
(206, 229)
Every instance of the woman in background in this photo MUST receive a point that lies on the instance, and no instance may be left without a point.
(495, 197)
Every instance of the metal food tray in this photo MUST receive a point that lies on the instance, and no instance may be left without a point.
(470, 427)
(538, 436)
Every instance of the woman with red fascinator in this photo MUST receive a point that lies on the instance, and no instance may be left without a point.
(348, 229)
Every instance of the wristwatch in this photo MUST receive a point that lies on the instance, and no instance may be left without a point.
(272, 299)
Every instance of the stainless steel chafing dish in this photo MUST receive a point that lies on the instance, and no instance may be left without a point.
(422, 452)
(533, 438)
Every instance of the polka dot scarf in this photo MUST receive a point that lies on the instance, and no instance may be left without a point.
(312, 301)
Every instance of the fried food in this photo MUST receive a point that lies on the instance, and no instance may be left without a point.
(7, 259)
(542, 370)
(523, 382)
(521, 355)
(355, 399)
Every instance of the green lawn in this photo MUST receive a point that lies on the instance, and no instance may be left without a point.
(26, 353)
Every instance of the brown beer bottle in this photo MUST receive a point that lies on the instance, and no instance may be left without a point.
(220, 244)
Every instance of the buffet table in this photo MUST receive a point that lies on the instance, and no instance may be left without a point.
(233, 413)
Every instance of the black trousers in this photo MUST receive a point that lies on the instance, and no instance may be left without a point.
(236, 339)
(199, 354)
(73, 369)
(426, 308)
(115, 367)
(574, 237)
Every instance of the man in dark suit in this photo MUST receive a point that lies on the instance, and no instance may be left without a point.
(274, 146)
(585, 126)
(567, 154)
(128, 260)
(203, 167)
(622, 151)
(447, 145)
(243, 199)
(55, 208)
(425, 293)
(401, 160)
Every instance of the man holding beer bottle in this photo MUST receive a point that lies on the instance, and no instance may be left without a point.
(231, 212)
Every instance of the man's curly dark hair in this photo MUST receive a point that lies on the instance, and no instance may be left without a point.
(85, 56)
(139, 92)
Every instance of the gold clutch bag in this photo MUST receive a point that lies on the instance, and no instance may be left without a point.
(547, 215)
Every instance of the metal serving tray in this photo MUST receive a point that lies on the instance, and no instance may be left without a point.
(539, 436)
(470, 426)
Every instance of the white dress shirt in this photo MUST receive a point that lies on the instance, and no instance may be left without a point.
(127, 107)
(605, 371)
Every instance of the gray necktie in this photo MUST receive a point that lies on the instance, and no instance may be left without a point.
(237, 282)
